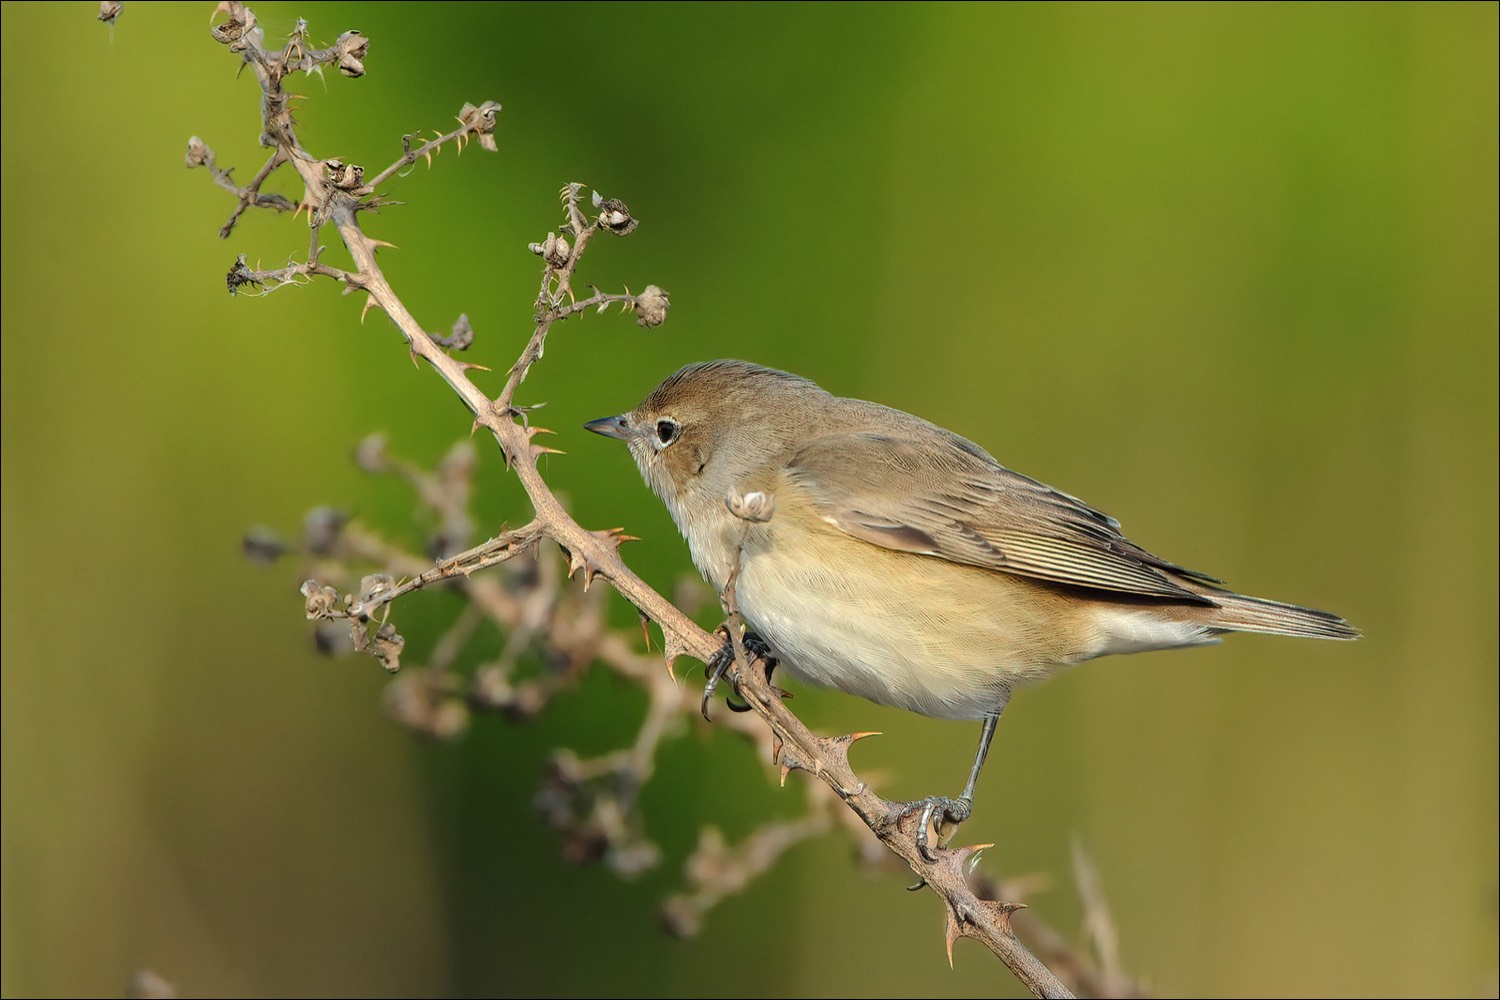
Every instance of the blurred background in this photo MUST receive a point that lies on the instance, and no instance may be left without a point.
(1227, 272)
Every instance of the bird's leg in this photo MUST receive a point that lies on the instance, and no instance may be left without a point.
(951, 811)
(755, 646)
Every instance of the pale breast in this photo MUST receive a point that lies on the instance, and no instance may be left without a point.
(906, 630)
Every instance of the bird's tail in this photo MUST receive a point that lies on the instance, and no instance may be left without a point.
(1237, 613)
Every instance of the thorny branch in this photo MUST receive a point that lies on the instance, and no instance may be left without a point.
(526, 601)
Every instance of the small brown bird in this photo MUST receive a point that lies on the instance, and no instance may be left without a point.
(903, 563)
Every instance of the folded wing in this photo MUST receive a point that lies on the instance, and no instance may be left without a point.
(937, 494)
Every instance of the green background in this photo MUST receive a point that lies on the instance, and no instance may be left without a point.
(1228, 272)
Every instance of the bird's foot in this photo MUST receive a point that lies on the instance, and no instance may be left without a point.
(939, 814)
(756, 647)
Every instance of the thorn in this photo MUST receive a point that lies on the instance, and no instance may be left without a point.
(1002, 913)
(777, 745)
(416, 358)
(470, 366)
(967, 858)
(375, 244)
(645, 627)
(672, 648)
(953, 932)
(577, 562)
(614, 536)
(789, 762)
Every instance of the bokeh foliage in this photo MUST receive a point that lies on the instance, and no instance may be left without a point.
(1228, 272)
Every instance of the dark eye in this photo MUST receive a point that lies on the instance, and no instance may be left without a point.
(667, 430)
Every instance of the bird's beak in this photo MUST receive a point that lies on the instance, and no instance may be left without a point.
(610, 427)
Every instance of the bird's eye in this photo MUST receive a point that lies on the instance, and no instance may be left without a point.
(667, 430)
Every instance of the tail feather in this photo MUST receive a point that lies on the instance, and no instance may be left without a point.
(1237, 613)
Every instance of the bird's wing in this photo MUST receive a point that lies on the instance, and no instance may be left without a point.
(940, 495)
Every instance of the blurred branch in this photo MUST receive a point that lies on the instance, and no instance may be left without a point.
(527, 601)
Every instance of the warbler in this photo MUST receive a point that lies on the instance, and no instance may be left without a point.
(900, 561)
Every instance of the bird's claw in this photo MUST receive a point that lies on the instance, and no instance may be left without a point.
(755, 646)
(947, 812)
(717, 664)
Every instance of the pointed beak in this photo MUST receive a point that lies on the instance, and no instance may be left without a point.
(610, 427)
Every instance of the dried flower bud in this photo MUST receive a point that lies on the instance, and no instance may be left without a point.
(457, 466)
(480, 122)
(449, 720)
(350, 50)
(387, 647)
(240, 274)
(321, 528)
(321, 600)
(651, 307)
(198, 154)
(332, 639)
(344, 176)
(109, 10)
(681, 918)
(462, 335)
(262, 546)
(371, 587)
(233, 31)
(370, 454)
(555, 251)
(755, 506)
(614, 215)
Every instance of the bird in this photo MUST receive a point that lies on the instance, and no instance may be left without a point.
(890, 558)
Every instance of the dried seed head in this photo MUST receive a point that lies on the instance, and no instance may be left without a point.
(321, 528)
(240, 274)
(370, 454)
(387, 646)
(614, 215)
(480, 122)
(555, 251)
(344, 176)
(371, 586)
(109, 10)
(462, 335)
(651, 307)
(321, 600)
(350, 50)
(198, 154)
(457, 465)
(449, 720)
(234, 31)
(262, 546)
(332, 639)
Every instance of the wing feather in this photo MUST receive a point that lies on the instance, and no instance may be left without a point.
(940, 495)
